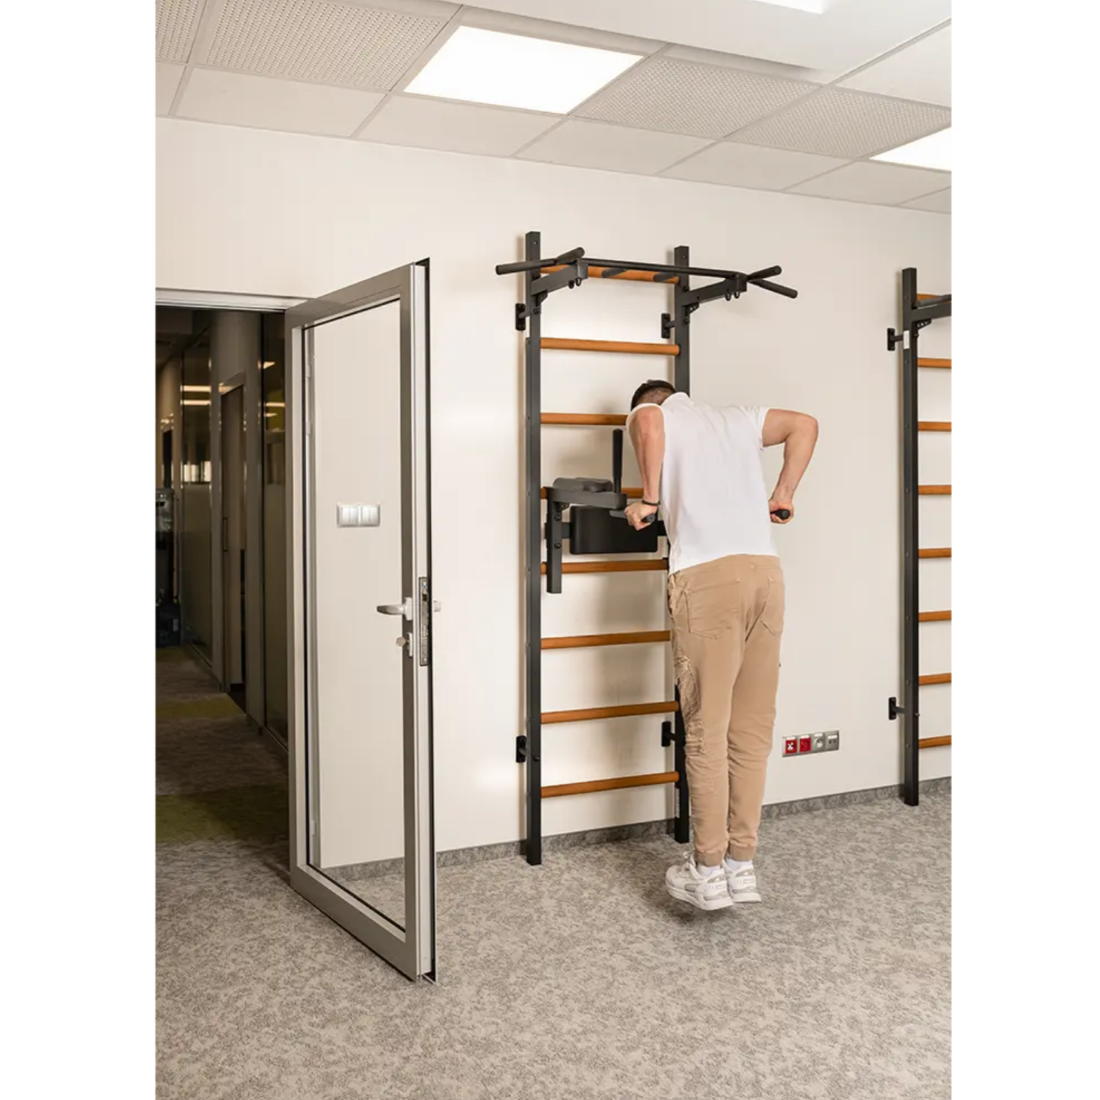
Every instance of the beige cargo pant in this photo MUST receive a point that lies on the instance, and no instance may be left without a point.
(727, 619)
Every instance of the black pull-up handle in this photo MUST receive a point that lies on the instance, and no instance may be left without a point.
(775, 288)
(617, 460)
(531, 265)
(782, 513)
(764, 273)
(645, 519)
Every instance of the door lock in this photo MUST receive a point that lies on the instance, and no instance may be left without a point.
(404, 608)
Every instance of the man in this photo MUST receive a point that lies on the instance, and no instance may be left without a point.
(701, 469)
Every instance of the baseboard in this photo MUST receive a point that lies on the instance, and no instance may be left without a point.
(561, 841)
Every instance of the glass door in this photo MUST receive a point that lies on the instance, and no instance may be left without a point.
(362, 843)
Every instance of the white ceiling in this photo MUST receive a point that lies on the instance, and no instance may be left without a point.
(740, 93)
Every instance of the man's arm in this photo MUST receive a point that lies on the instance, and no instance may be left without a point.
(647, 433)
(798, 433)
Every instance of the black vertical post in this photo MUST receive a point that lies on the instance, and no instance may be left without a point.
(533, 397)
(682, 381)
(910, 540)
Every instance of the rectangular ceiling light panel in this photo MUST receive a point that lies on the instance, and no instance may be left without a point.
(509, 70)
(933, 151)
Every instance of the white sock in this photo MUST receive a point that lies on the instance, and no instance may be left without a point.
(735, 865)
(704, 870)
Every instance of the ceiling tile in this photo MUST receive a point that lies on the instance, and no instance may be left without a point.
(939, 202)
(177, 22)
(752, 166)
(872, 182)
(240, 100)
(168, 80)
(313, 40)
(683, 98)
(457, 127)
(846, 124)
(921, 71)
(619, 148)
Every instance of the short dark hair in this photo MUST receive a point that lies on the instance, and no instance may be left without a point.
(650, 389)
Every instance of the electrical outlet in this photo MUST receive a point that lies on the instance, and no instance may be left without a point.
(790, 746)
(818, 742)
(805, 744)
(832, 741)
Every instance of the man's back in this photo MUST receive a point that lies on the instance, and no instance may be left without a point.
(713, 498)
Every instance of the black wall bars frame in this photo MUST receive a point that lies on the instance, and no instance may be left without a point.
(915, 315)
(572, 270)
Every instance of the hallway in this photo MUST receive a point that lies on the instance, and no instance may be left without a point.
(579, 979)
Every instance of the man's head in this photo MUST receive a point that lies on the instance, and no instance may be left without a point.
(651, 393)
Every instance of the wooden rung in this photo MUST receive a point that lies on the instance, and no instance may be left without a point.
(934, 616)
(580, 641)
(929, 297)
(933, 425)
(554, 343)
(610, 784)
(628, 492)
(935, 552)
(636, 565)
(943, 364)
(935, 678)
(934, 490)
(933, 742)
(628, 275)
(588, 714)
(611, 419)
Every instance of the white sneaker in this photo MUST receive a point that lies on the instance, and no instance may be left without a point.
(742, 883)
(687, 883)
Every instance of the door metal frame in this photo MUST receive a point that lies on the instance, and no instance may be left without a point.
(220, 391)
(412, 949)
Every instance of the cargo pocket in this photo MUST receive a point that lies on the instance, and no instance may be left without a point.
(774, 607)
(689, 704)
(715, 610)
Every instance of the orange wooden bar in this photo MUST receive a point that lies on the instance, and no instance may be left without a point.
(581, 641)
(628, 276)
(934, 616)
(636, 565)
(935, 552)
(933, 425)
(556, 343)
(610, 784)
(610, 419)
(935, 678)
(934, 490)
(942, 364)
(933, 742)
(588, 714)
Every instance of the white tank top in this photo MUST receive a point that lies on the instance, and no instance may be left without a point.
(713, 498)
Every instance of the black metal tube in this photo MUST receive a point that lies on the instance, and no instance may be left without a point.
(617, 460)
(775, 288)
(765, 273)
(910, 541)
(533, 401)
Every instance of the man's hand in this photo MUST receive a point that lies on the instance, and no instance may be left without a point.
(636, 513)
(778, 501)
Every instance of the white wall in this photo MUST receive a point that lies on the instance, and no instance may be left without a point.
(249, 211)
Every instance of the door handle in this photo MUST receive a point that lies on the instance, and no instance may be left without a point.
(404, 608)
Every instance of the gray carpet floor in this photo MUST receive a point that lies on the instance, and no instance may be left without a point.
(579, 979)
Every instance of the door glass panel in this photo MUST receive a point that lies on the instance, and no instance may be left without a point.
(195, 499)
(356, 756)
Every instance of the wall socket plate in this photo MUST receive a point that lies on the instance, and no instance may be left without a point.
(806, 744)
(832, 740)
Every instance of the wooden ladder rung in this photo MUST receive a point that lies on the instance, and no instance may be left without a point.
(933, 742)
(934, 490)
(933, 425)
(556, 343)
(580, 641)
(934, 616)
(589, 714)
(636, 565)
(929, 297)
(935, 552)
(627, 492)
(611, 419)
(610, 784)
(935, 678)
(943, 364)
(626, 274)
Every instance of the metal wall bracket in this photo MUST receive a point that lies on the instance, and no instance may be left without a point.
(521, 749)
(894, 710)
(667, 737)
